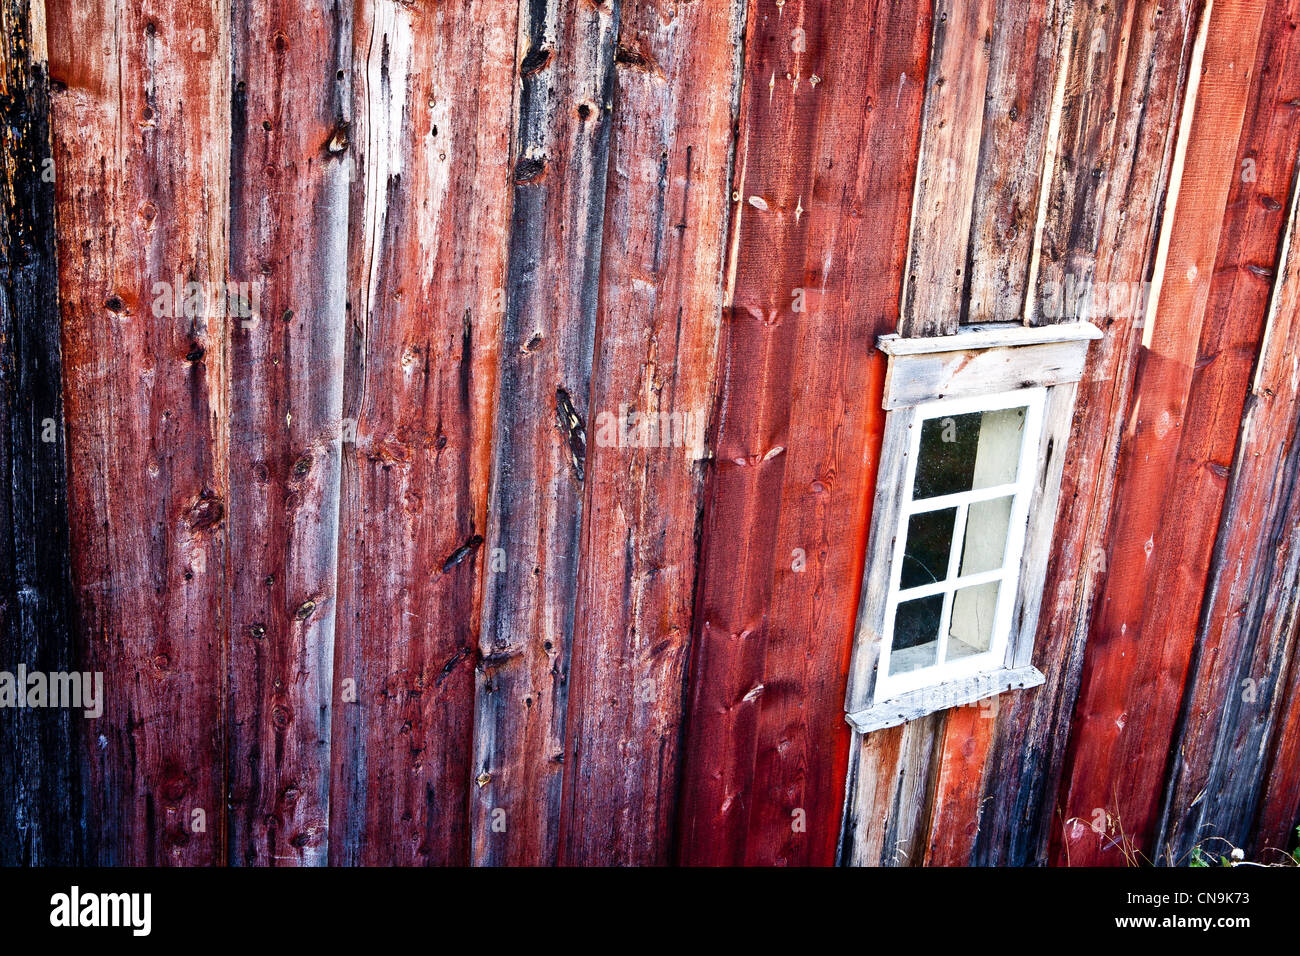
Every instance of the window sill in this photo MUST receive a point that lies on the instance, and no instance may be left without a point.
(929, 700)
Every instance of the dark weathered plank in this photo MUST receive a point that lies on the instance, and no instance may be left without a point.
(1169, 489)
(288, 240)
(41, 820)
(430, 141)
(652, 388)
(141, 129)
(566, 55)
(1115, 235)
(936, 277)
(818, 241)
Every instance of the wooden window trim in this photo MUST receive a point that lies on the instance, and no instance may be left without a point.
(978, 360)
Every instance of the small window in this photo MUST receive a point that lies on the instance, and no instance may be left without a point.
(966, 497)
(959, 538)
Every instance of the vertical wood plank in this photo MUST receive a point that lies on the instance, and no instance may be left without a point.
(1238, 778)
(1101, 41)
(41, 822)
(892, 793)
(430, 135)
(141, 128)
(818, 242)
(955, 90)
(566, 54)
(957, 807)
(1024, 58)
(290, 172)
(1169, 491)
(652, 389)
(1238, 670)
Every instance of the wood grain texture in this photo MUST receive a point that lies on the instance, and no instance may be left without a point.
(1099, 41)
(141, 129)
(1236, 773)
(1024, 59)
(652, 387)
(566, 54)
(41, 821)
(380, 568)
(914, 379)
(947, 170)
(957, 807)
(956, 693)
(891, 794)
(1275, 826)
(798, 423)
(1169, 490)
(290, 173)
(1115, 238)
(430, 139)
(1242, 651)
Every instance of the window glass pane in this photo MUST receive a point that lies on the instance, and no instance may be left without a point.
(985, 543)
(965, 452)
(973, 610)
(928, 547)
(946, 463)
(916, 634)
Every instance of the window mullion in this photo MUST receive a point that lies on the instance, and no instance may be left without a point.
(954, 565)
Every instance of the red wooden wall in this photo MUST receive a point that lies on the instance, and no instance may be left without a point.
(372, 577)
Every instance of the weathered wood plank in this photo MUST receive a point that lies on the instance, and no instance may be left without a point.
(936, 278)
(1239, 779)
(957, 807)
(290, 174)
(952, 694)
(658, 325)
(1169, 490)
(566, 52)
(1114, 238)
(141, 124)
(1024, 60)
(852, 271)
(1095, 56)
(891, 794)
(823, 192)
(1231, 708)
(914, 379)
(41, 821)
(992, 336)
(430, 136)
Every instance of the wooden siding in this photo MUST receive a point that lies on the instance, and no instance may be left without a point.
(518, 511)
(42, 820)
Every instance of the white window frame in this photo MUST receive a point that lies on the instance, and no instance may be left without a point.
(978, 368)
(1008, 575)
